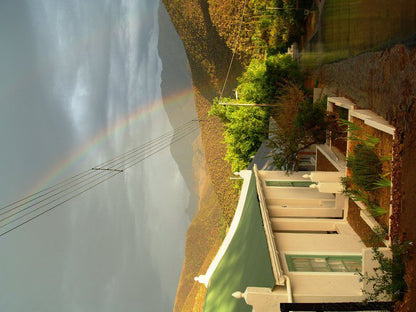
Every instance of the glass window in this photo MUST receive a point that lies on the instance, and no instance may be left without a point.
(315, 263)
(288, 183)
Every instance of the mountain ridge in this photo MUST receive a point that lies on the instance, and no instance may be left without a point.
(208, 58)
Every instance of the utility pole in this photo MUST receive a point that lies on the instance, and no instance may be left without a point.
(247, 104)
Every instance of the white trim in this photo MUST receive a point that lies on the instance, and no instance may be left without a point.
(271, 244)
(204, 279)
(373, 120)
(341, 273)
(341, 102)
(338, 161)
(323, 253)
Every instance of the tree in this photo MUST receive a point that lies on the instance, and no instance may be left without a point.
(286, 144)
(264, 80)
(308, 126)
(245, 130)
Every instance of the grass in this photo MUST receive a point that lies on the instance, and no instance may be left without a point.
(245, 263)
(351, 27)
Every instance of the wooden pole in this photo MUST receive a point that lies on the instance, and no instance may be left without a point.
(247, 104)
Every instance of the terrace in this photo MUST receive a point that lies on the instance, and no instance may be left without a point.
(332, 156)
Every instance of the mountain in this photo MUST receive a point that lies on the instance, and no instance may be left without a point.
(209, 59)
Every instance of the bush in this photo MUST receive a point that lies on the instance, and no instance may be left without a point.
(252, 84)
(356, 194)
(388, 278)
(288, 106)
(263, 30)
(264, 80)
(285, 145)
(366, 167)
(366, 170)
(245, 130)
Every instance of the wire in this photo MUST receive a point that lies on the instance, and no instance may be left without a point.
(84, 181)
(80, 188)
(235, 48)
(69, 181)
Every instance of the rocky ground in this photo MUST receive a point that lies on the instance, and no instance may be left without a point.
(386, 83)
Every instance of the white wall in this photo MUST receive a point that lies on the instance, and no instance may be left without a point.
(319, 286)
(297, 201)
(312, 213)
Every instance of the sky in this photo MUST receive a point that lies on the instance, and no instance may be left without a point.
(80, 83)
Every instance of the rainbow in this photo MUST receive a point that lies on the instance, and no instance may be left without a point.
(101, 136)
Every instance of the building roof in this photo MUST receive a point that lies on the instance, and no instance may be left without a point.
(246, 261)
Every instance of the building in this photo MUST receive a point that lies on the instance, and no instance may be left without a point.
(309, 251)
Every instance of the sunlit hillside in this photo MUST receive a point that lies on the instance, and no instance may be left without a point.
(208, 57)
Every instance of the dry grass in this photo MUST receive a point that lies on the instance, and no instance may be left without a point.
(218, 202)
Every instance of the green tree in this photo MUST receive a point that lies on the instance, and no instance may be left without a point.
(245, 130)
(264, 80)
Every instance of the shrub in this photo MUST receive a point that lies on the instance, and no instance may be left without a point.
(288, 105)
(246, 127)
(363, 139)
(245, 130)
(388, 278)
(264, 80)
(383, 181)
(366, 167)
(311, 119)
(356, 194)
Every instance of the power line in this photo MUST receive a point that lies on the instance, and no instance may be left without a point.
(80, 190)
(116, 165)
(113, 162)
(82, 182)
(235, 48)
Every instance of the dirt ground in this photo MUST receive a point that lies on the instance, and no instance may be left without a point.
(386, 83)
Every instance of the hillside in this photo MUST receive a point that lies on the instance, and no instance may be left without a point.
(208, 58)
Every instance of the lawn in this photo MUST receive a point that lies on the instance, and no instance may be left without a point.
(245, 263)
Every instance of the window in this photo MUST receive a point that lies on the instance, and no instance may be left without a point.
(315, 263)
(288, 183)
